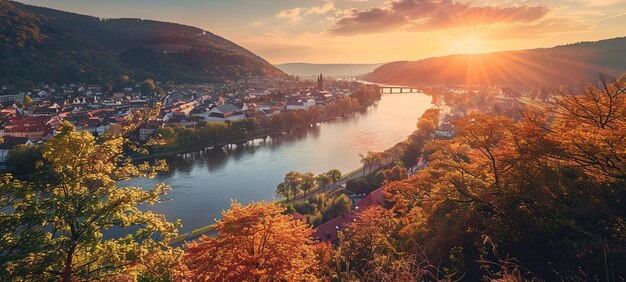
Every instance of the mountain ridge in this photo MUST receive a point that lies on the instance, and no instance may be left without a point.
(42, 44)
(559, 65)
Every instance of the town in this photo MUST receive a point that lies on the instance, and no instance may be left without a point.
(29, 117)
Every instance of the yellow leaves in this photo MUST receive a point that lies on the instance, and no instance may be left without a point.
(78, 200)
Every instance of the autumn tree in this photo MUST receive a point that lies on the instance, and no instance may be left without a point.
(256, 242)
(367, 244)
(536, 186)
(590, 123)
(395, 173)
(58, 220)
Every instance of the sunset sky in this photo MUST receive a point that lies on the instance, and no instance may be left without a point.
(375, 31)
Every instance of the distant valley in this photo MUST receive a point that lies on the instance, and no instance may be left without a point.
(330, 70)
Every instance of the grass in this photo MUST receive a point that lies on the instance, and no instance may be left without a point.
(193, 234)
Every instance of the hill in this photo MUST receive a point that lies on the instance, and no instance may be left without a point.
(546, 66)
(41, 44)
(334, 70)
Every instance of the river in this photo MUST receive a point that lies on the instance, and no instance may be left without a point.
(204, 183)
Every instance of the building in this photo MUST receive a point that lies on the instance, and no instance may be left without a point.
(17, 97)
(320, 83)
(328, 232)
(226, 112)
(302, 104)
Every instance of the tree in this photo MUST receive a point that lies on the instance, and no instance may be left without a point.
(323, 180)
(307, 182)
(23, 158)
(369, 160)
(256, 242)
(395, 173)
(367, 245)
(291, 184)
(338, 206)
(590, 124)
(334, 175)
(147, 87)
(166, 133)
(55, 231)
(283, 190)
(366, 161)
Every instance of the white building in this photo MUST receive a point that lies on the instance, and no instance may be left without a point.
(300, 104)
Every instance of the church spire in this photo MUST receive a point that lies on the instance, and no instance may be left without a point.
(320, 82)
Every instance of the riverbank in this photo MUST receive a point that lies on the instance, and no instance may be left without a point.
(210, 229)
(261, 135)
(205, 181)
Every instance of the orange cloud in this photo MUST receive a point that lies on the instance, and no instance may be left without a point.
(433, 14)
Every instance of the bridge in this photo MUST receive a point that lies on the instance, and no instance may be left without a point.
(397, 89)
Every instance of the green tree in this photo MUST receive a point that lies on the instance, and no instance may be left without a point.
(334, 175)
(147, 87)
(55, 231)
(166, 133)
(337, 207)
(283, 190)
(23, 158)
(307, 182)
(291, 184)
(323, 180)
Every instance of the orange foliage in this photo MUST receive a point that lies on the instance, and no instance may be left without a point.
(256, 242)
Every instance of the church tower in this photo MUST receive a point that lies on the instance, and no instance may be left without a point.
(320, 83)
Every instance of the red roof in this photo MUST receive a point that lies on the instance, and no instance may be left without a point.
(327, 232)
(377, 197)
(298, 216)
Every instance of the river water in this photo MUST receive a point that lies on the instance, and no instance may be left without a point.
(204, 183)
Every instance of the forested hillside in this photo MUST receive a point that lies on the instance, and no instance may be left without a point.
(41, 44)
(561, 65)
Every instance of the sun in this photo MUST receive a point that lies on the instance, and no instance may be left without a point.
(468, 45)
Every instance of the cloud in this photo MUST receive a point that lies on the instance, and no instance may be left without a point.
(292, 14)
(432, 15)
(327, 7)
(295, 15)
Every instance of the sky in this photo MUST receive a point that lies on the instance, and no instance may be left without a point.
(375, 31)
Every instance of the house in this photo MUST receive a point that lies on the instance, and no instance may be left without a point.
(328, 232)
(146, 131)
(17, 97)
(302, 104)
(226, 112)
(445, 131)
(10, 142)
(33, 127)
